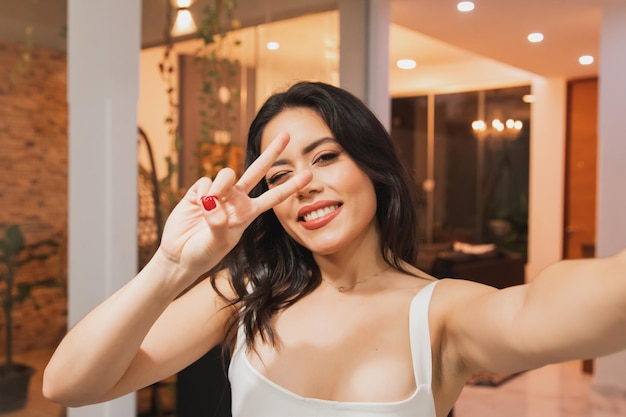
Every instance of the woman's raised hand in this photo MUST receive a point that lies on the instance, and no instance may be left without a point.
(130, 329)
(210, 219)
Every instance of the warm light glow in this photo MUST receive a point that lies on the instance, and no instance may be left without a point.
(535, 37)
(221, 137)
(223, 94)
(184, 23)
(528, 98)
(272, 45)
(406, 64)
(183, 4)
(507, 130)
(331, 55)
(479, 125)
(465, 6)
(498, 125)
(585, 60)
(514, 124)
(428, 185)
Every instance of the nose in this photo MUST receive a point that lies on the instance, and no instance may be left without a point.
(313, 187)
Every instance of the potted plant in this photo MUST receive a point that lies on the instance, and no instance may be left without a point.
(15, 253)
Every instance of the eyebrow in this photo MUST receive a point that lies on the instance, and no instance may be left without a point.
(307, 149)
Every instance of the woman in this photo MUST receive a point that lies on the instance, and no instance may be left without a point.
(317, 298)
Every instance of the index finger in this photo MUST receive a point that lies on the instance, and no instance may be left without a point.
(257, 170)
(278, 194)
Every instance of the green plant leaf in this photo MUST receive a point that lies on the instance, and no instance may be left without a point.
(13, 242)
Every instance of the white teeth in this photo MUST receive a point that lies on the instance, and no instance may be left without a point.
(319, 213)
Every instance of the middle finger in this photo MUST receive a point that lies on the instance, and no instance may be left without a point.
(257, 170)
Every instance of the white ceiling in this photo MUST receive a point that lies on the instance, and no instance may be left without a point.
(498, 29)
(489, 42)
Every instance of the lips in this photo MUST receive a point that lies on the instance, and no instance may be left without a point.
(319, 214)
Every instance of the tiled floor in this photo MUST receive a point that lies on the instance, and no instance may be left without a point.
(561, 390)
(553, 391)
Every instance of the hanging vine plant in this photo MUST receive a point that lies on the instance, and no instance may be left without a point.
(24, 57)
(25, 50)
(219, 95)
(167, 71)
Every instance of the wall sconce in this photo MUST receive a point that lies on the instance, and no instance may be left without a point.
(510, 129)
(184, 23)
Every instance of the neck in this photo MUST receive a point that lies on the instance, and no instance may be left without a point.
(346, 274)
(350, 285)
(356, 262)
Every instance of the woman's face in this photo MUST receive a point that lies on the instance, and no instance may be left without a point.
(337, 208)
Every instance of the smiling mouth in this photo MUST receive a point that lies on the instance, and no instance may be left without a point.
(316, 214)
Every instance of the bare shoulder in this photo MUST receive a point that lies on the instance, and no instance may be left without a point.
(452, 296)
(453, 290)
(414, 279)
(449, 294)
(401, 287)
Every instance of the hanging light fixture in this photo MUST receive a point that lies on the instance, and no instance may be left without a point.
(184, 23)
(510, 129)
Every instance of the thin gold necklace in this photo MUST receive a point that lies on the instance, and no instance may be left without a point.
(344, 288)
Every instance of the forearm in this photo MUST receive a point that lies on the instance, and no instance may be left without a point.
(96, 353)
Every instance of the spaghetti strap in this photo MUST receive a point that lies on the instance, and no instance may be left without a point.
(419, 332)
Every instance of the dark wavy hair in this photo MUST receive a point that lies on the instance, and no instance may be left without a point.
(270, 271)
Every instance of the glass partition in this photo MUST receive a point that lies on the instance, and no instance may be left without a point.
(188, 107)
(470, 161)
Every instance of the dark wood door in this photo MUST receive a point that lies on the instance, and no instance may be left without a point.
(580, 175)
(581, 169)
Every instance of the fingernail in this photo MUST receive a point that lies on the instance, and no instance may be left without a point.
(209, 202)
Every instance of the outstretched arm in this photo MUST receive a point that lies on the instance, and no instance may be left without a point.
(140, 335)
(574, 309)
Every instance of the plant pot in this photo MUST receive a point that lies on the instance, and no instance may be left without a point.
(14, 382)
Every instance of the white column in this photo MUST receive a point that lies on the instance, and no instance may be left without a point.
(610, 371)
(103, 60)
(547, 174)
(364, 53)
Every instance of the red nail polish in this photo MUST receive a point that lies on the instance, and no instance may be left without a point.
(209, 202)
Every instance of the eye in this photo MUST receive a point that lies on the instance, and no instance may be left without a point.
(326, 157)
(277, 178)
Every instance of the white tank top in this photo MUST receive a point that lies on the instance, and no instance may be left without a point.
(254, 395)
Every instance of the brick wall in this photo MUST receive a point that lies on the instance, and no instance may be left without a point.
(33, 184)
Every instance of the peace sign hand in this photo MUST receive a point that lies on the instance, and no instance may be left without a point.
(210, 219)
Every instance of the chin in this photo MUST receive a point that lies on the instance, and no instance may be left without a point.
(325, 252)
(324, 249)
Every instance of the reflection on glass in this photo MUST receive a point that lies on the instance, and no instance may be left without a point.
(479, 182)
(257, 71)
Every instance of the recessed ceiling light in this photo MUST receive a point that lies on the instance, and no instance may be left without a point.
(406, 64)
(535, 37)
(465, 6)
(585, 60)
(272, 46)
